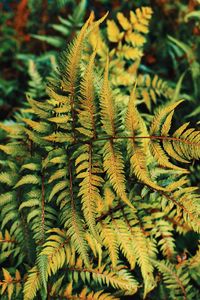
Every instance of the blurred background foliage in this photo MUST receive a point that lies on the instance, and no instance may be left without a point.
(33, 31)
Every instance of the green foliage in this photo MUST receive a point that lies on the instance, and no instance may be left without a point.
(95, 194)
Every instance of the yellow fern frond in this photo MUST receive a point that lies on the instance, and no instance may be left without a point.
(136, 39)
(161, 115)
(102, 48)
(113, 165)
(60, 99)
(144, 249)
(125, 241)
(111, 242)
(134, 124)
(123, 21)
(107, 105)
(43, 110)
(113, 31)
(59, 137)
(187, 142)
(138, 164)
(161, 157)
(89, 186)
(85, 295)
(32, 284)
(130, 52)
(87, 113)
(40, 127)
(73, 58)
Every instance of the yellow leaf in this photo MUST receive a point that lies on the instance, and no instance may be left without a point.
(7, 276)
(136, 39)
(123, 21)
(131, 53)
(113, 31)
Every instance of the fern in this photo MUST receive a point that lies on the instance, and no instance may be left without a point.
(94, 193)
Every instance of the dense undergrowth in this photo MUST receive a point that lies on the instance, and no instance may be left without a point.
(99, 172)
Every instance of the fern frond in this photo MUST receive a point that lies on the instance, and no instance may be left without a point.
(187, 142)
(163, 231)
(124, 240)
(89, 185)
(42, 110)
(157, 122)
(107, 105)
(183, 145)
(113, 165)
(7, 178)
(74, 225)
(28, 179)
(87, 113)
(59, 99)
(119, 279)
(13, 149)
(161, 157)
(32, 284)
(113, 31)
(10, 285)
(56, 250)
(140, 19)
(131, 53)
(42, 269)
(138, 164)
(143, 249)
(187, 206)
(73, 58)
(111, 242)
(85, 295)
(176, 280)
(59, 137)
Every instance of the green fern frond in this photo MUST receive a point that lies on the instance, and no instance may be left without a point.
(176, 280)
(28, 179)
(7, 178)
(56, 250)
(119, 279)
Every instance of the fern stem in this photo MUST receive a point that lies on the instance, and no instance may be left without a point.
(109, 212)
(153, 137)
(8, 241)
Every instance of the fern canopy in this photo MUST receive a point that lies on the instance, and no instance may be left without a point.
(93, 194)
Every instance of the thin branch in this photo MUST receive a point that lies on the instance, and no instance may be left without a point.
(153, 137)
